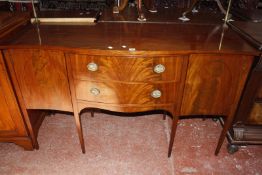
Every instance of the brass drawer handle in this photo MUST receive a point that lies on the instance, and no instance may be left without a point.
(156, 94)
(92, 67)
(160, 68)
(95, 91)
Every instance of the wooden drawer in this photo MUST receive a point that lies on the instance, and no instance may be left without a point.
(125, 93)
(139, 69)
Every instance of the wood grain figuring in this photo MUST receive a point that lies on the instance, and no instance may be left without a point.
(125, 83)
(6, 122)
(48, 70)
(214, 83)
(139, 69)
(11, 122)
(126, 93)
(42, 78)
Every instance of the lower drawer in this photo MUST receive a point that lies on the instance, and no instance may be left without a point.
(126, 93)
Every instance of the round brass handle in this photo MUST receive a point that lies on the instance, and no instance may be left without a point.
(95, 91)
(92, 67)
(156, 94)
(160, 68)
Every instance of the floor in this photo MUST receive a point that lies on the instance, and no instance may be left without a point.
(128, 146)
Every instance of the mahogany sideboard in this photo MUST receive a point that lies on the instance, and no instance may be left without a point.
(182, 69)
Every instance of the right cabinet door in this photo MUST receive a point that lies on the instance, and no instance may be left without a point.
(11, 122)
(214, 83)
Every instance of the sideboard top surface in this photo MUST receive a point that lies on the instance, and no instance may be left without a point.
(175, 37)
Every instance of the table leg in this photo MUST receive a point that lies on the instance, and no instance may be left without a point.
(172, 135)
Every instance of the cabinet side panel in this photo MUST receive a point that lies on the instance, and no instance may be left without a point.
(11, 122)
(42, 78)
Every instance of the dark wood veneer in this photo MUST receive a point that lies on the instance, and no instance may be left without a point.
(134, 69)
(12, 125)
(41, 89)
(161, 39)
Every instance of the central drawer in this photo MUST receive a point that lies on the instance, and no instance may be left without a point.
(126, 93)
(135, 69)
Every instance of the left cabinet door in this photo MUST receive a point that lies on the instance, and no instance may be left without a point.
(11, 121)
(42, 78)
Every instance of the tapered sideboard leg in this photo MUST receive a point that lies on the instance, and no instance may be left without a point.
(74, 105)
(80, 131)
(172, 135)
(223, 134)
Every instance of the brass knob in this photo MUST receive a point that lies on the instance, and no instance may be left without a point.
(92, 67)
(156, 94)
(160, 68)
(95, 91)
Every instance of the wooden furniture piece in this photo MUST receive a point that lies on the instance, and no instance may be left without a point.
(129, 67)
(12, 125)
(17, 125)
(247, 125)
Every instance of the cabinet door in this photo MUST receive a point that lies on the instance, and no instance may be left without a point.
(11, 122)
(214, 84)
(42, 78)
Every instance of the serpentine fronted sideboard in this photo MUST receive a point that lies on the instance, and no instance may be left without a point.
(182, 69)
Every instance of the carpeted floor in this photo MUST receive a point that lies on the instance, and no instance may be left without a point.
(128, 146)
